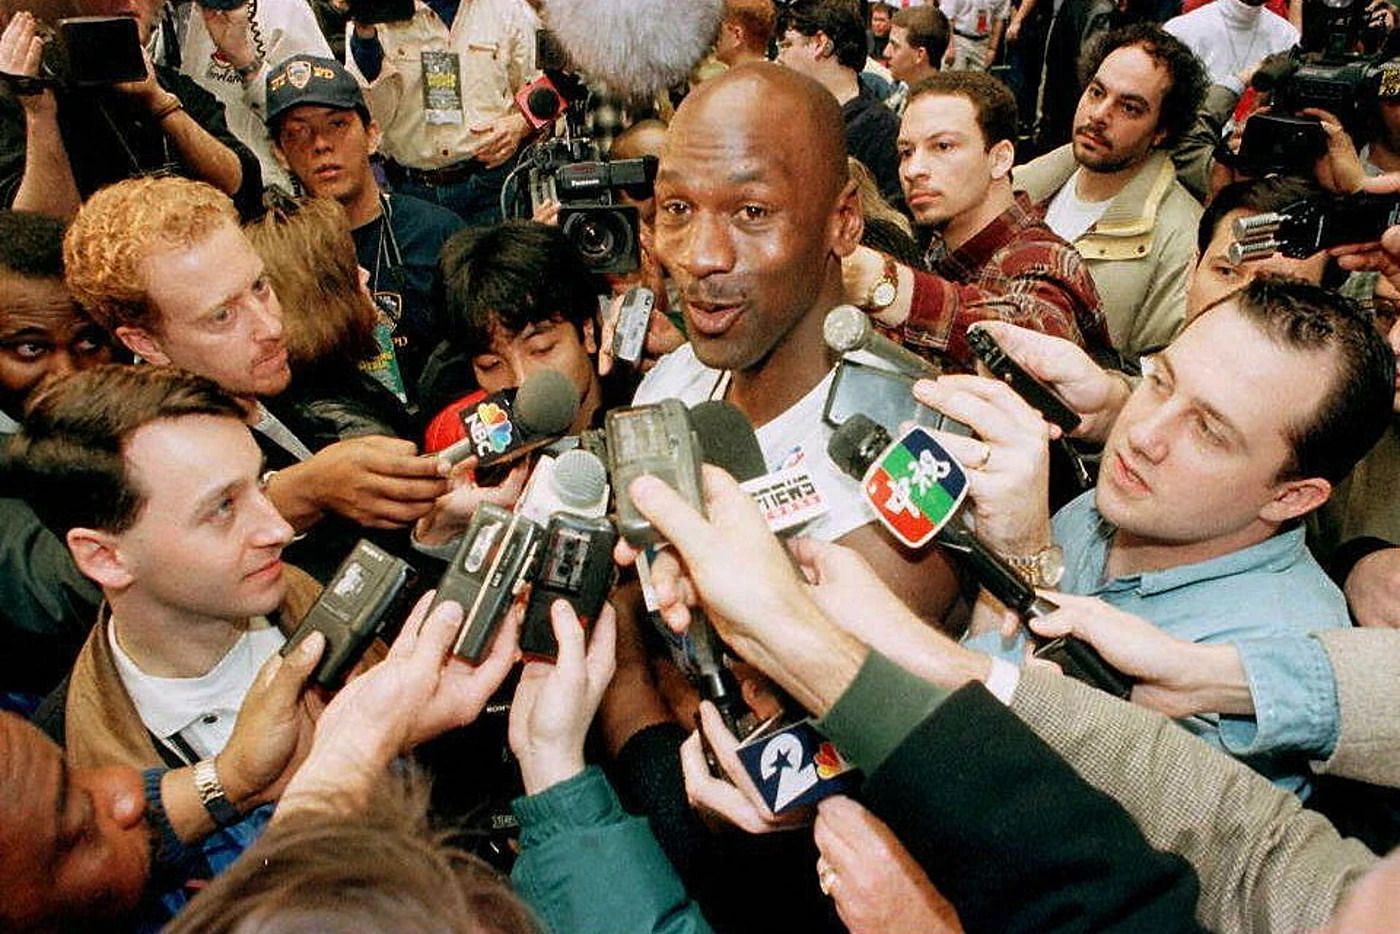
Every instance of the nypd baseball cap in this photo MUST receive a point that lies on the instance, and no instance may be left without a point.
(309, 79)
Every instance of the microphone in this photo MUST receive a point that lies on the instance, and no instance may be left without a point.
(789, 498)
(639, 48)
(575, 482)
(503, 426)
(727, 439)
(848, 329)
(917, 489)
(540, 102)
(568, 496)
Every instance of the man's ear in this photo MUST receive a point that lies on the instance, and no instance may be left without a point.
(1003, 153)
(281, 157)
(847, 220)
(143, 343)
(96, 554)
(376, 136)
(1294, 498)
(825, 47)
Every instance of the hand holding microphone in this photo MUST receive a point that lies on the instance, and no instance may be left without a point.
(917, 489)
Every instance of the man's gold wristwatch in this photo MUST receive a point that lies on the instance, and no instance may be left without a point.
(886, 288)
(1044, 568)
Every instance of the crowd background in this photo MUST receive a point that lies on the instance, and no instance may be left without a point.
(300, 297)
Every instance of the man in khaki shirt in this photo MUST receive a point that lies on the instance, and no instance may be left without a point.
(454, 144)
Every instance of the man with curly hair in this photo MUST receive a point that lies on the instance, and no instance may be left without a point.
(1112, 190)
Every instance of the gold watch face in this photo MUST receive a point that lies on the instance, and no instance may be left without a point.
(882, 296)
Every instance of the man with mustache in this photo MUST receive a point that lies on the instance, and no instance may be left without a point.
(753, 231)
(990, 254)
(1112, 191)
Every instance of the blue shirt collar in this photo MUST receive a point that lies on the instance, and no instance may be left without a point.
(1274, 553)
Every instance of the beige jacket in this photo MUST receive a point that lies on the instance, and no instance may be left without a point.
(1140, 252)
(494, 41)
(1265, 863)
(101, 725)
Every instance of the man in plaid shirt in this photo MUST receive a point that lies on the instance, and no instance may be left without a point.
(991, 255)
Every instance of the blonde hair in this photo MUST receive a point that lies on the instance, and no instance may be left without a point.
(120, 227)
(309, 255)
(873, 204)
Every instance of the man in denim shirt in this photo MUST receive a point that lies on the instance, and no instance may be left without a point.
(1240, 428)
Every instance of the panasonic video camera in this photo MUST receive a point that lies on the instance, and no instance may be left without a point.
(573, 172)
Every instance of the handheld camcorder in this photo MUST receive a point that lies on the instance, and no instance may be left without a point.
(1343, 65)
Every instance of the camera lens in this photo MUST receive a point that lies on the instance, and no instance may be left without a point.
(597, 237)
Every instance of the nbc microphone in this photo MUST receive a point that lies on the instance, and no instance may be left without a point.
(501, 427)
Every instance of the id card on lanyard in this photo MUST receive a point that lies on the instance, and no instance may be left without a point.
(442, 87)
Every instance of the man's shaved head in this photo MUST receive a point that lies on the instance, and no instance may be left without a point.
(795, 111)
(753, 218)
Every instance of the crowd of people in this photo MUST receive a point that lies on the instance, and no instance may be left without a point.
(251, 305)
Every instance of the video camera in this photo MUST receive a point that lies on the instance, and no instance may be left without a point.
(83, 52)
(573, 172)
(1343, 64)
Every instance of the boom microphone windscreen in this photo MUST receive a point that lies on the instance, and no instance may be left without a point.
(637, 48)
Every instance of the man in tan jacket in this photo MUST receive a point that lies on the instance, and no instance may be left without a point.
(1112, 191)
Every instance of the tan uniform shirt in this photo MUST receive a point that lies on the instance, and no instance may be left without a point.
(495, 44)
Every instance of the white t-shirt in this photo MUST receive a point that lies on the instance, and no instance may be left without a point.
(796, 438)
(975, 17)
(1069, 215)
(201, 710)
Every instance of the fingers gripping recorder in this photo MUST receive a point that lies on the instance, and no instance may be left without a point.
(556, 539)
(660, 440)
(917, 488)
(1319, 223)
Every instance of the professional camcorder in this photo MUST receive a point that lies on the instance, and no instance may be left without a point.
(1343, 65)
(573, 172)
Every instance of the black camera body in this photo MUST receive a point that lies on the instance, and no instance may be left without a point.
(88, 52)
(573, 174)
(1341, 66)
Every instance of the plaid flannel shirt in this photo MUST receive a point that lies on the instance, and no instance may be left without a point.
(1014, 269)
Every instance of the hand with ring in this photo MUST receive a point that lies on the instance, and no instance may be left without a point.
(874, 882)
(1008, 463)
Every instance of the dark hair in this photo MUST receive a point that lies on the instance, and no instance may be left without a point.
(369, 867)
(928, 30)
(1256, 195)
(513, 274)
(1356, 410)
(838, 19)
(31, 245)
(1188, 76)
(69, 457)
(992, 101)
